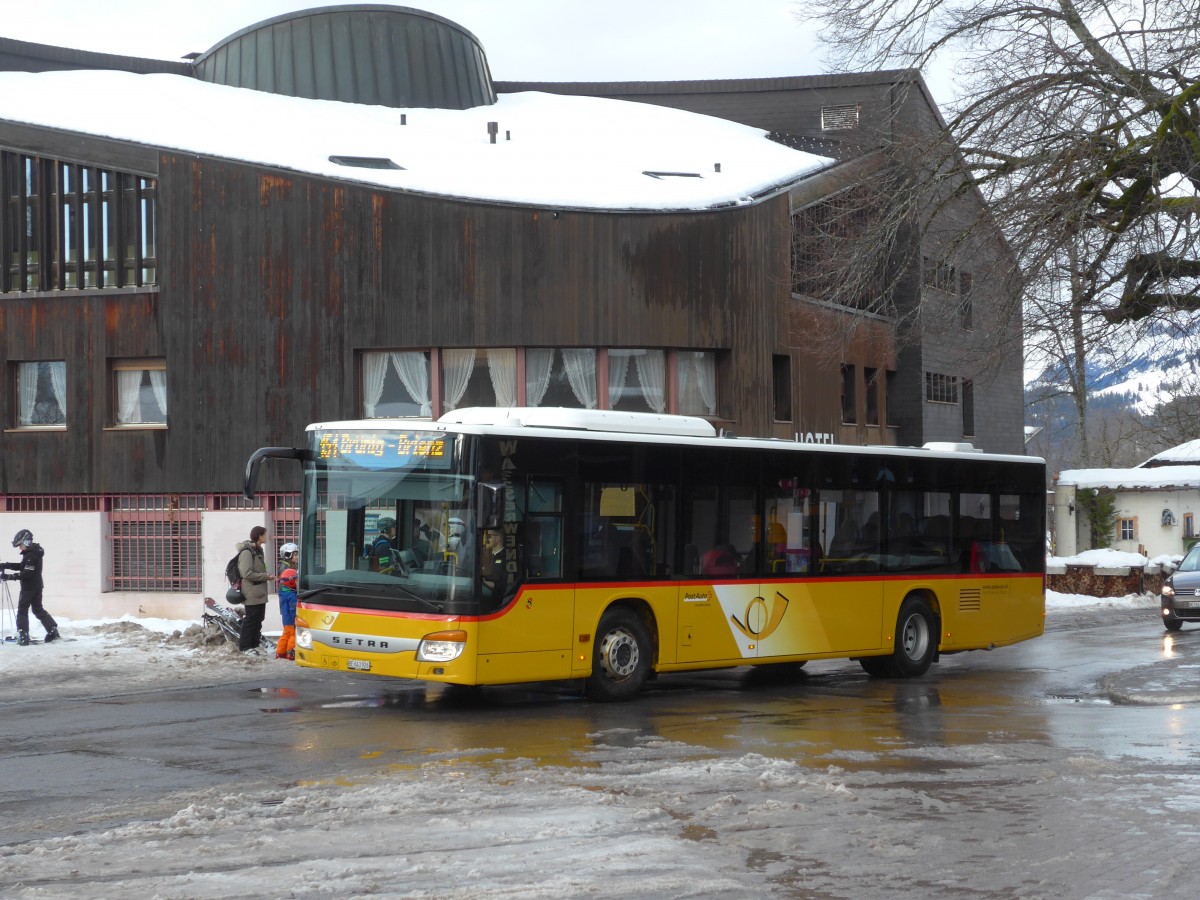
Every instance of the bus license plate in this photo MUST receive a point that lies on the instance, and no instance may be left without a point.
(1190, 603)
(362, 665)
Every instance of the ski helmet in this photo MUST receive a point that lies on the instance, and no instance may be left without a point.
(288, 550)
(24, 536)
(386, 523)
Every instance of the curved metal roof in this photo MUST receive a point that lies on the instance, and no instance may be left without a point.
(372, 54)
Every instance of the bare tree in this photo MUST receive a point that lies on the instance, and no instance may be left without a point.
(1078, 121)
(1077, 116)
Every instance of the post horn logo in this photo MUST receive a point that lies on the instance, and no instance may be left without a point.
(761, 621)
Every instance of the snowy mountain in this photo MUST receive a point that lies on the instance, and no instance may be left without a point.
(1135, 368)
(1143, 384)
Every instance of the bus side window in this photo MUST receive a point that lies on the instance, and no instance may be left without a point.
(543, 547)
(544, 529)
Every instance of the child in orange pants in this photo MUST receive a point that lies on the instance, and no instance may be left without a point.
(289, 560)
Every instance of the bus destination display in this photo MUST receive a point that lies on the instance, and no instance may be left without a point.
(385, 449)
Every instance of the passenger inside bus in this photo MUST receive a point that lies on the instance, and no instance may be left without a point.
(720, 560)
(382, 550)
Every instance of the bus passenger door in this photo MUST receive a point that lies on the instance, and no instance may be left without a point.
(530, 637)
(719, 537)
(837, 609)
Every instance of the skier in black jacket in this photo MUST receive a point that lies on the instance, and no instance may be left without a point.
(29, 572)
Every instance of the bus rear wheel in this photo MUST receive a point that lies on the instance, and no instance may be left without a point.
(621, 656)
(916, 643)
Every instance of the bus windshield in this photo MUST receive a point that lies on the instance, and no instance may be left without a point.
(389, 521)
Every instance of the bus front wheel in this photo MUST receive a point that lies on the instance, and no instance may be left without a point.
(916, 643)
(621, 656)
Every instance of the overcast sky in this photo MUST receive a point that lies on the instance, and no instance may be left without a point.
(553, 40)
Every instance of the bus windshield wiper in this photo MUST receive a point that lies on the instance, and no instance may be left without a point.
(304, 595)
(360, 591)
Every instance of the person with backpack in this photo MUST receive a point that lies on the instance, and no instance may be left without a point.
(29, 572)
(383, 549)
(252, 566)
(289, 562)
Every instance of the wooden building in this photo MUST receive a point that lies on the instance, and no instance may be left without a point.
(172, 299)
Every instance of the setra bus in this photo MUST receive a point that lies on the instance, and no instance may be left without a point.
(496, 546)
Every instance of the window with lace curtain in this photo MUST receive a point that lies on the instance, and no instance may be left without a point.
(637, 380)
(396, 383)
(139, 393)
(41, 394)
(697, 382)
(404, 383)
(479, 378)
(561, 377)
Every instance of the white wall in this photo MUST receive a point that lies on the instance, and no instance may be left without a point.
(1153, 537)
(77, 556)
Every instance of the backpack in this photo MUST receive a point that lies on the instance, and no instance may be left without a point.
(232, 573)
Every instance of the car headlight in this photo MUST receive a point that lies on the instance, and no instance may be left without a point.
(304, 639)
(1168, 591)
(442, 646)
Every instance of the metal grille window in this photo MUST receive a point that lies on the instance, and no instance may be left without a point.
(285, 519)
(49, 503)
(156, 542)
(837, 254)
(839, 118)
(65, 226)
(941, 388)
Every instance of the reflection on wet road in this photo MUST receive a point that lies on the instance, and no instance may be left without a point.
(1045, 692)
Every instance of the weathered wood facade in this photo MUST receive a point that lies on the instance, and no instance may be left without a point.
(271, 284)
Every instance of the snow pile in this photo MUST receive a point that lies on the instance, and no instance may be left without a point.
(113, 656)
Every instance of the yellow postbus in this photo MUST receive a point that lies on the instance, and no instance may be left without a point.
(495, 546)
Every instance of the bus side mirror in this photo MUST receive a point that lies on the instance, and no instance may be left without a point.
(490, 499)
(256, 458)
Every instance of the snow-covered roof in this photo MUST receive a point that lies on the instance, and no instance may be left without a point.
(1185, 454)
(1133, 479)
(550, 150)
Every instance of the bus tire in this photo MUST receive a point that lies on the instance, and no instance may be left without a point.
(916, 638)
(915, 645)
(1172, 622)
(620, 656)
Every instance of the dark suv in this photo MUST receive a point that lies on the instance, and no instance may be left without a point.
(1181, 592)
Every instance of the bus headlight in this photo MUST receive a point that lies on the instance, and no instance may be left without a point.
(304, 639)
(442, 646)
